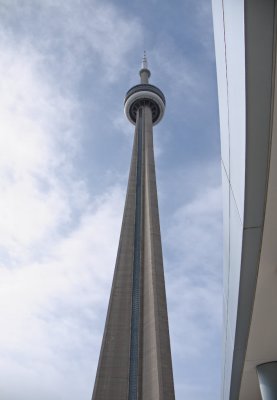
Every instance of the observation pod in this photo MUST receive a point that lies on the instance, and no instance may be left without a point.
(135, 359)
(144, 95)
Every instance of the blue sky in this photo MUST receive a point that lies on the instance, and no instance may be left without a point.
(65, 154)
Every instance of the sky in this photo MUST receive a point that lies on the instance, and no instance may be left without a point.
(65, 151)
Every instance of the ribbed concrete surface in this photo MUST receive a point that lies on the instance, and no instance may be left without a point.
(155, 378)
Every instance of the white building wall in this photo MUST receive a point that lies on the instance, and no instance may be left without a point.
(229, 43)
(245, 43)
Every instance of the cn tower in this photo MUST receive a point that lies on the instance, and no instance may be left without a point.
(135, 358)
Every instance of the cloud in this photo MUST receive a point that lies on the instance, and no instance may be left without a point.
(88, 35)
(193, 251)
(58, 239)
(50, 311)
(33, 152)
(59, 223)
(198, 221)
(41, 127)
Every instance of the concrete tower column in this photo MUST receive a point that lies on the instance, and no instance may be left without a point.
(267, 374)
(135, 358)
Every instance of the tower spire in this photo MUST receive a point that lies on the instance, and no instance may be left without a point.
(144, 72)
(144, 64)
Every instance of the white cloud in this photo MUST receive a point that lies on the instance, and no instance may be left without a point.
(36, 143)
(58, 241)
(50, 311)
(194, 227)
(194, 285)
(88, 34)
(122, 125)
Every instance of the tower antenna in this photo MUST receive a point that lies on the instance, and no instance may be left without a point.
(144, 64)
(144, 72)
